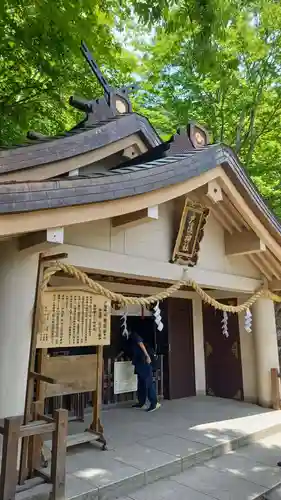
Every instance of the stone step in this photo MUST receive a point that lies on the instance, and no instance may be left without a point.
(198, 461)
(274, 494)
(247, 473)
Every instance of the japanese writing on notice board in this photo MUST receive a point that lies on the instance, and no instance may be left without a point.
(74, 318)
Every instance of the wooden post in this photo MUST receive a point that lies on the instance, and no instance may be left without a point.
(9, 478)
(275, 389)
(59, 441)
(30, 380)
(31, 365)
(96, 425)
(35, 443)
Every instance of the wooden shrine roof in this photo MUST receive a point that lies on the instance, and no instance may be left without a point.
(132, 180)
(78, 141)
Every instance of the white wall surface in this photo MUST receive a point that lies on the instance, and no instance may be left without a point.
(212, 253)
(154, 240)
(17, 290)
(150, 239)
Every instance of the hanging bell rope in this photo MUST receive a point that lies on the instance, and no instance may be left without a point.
(146, 301)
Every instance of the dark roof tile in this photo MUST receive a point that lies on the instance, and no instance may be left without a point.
(123, 182)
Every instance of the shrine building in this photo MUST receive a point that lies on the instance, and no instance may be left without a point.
(138, 214)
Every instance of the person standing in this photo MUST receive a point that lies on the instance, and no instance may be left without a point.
(144, 371)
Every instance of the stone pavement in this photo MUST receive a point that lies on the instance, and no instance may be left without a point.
(172, 442)
(244, 474)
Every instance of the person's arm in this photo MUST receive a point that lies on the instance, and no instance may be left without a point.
(147, 357)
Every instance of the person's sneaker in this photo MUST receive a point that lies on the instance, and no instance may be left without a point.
(138, 406)
(153, 408)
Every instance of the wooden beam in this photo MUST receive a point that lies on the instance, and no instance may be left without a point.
(222, 221)
(224, 212)
(263, 257)
(275, 285)
(94, 260)
(214, 191)
(275, 264)
(135, 218)
(204, 200)
(41, 240)
(254, 259)
(235, 213)
(132, 151)
(243, 242)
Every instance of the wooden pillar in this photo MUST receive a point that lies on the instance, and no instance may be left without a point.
(59, 441)
(97, 400)
(9, 475)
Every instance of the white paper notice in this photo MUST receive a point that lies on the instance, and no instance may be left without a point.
(125, 379)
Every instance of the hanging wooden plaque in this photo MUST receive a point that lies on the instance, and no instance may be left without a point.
(190, 233)
(74, 318)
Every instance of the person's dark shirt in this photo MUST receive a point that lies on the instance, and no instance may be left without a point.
(138, 357)
(142, 368)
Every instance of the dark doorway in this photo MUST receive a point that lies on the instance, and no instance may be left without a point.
(144, 327)
(222, 354)
(177, 346)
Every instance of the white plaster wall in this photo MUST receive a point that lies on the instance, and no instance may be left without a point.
(17, 290)
(151, 239)
(212, 253)
(154, 240)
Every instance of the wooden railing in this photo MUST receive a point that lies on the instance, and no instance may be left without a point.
(12, 431)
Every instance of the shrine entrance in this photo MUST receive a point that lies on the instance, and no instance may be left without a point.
(222, 354)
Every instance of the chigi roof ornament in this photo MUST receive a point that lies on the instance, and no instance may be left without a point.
(198, 135)
(115, 101)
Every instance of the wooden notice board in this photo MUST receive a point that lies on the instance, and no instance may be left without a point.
(74, 318)
(73, 374)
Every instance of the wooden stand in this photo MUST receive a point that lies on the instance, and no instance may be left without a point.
(38, 483)
(58, 375)
(61, 375)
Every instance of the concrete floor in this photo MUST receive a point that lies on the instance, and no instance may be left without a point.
(172, 442)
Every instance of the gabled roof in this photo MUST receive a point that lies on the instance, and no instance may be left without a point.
(76, 142)
(161, 172)
(133, 180)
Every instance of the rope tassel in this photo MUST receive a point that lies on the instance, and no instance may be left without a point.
(124, 327)
(248, 321)
(157, 317)
(224, 323)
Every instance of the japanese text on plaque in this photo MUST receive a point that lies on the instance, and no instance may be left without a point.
(74, 318)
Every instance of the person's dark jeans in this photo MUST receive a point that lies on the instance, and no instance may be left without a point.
(146, 388)
(141, 392)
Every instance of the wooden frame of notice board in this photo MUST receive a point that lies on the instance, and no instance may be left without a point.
(69, 317)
